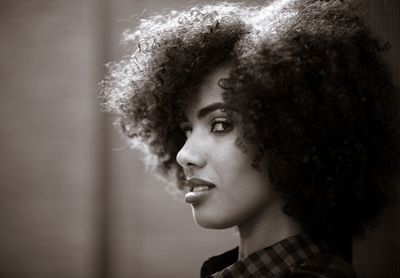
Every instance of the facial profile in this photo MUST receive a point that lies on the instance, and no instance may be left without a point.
(227, 189)
(308, 96)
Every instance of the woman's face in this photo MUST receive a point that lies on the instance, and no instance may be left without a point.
(226, 189)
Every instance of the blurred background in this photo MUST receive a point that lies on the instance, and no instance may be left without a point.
(75, 200)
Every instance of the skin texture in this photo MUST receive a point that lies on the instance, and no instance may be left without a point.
(244, 195)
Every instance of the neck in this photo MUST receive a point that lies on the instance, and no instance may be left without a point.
(265, 229)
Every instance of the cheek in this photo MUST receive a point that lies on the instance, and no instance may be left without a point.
(228, 159)
(242, 193)
(249, 190)
(234, 167)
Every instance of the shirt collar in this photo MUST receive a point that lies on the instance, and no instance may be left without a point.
(273, 260)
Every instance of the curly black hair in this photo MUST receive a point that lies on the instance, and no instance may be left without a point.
(308, 77)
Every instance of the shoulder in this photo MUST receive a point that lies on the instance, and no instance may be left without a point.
(324, 266)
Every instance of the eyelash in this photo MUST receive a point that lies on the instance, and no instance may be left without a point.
(222, 122)
(218, 121)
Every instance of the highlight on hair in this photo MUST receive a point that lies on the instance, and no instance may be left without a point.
(316, 98)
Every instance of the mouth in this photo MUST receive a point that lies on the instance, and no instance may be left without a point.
(198, 190)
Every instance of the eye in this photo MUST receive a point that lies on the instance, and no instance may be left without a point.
(221, 125)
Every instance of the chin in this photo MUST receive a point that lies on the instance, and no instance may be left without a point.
(212, 221)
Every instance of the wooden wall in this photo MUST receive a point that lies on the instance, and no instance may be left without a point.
(75, 201)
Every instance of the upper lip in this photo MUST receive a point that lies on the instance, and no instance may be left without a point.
(193, 182)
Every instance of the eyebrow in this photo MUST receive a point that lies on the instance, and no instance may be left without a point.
(211, 108)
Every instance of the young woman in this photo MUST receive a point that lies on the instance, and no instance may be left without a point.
(280, 120)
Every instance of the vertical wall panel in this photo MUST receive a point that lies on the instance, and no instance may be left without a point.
(48, 129)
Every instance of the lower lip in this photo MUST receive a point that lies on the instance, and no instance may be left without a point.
(194, 197)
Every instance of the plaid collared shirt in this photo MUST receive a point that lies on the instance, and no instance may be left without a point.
(296, 256)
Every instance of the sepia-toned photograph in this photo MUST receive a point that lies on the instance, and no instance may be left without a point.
(173, 138)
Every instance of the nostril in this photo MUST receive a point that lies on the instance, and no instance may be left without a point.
(184, 160)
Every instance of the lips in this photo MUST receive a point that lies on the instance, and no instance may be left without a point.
(194, 183)
(198, 190)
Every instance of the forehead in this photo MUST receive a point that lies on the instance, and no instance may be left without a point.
(209, 91)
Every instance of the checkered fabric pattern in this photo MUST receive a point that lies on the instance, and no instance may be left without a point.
(296, 256)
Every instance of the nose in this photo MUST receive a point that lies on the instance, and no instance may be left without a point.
(192, 154)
